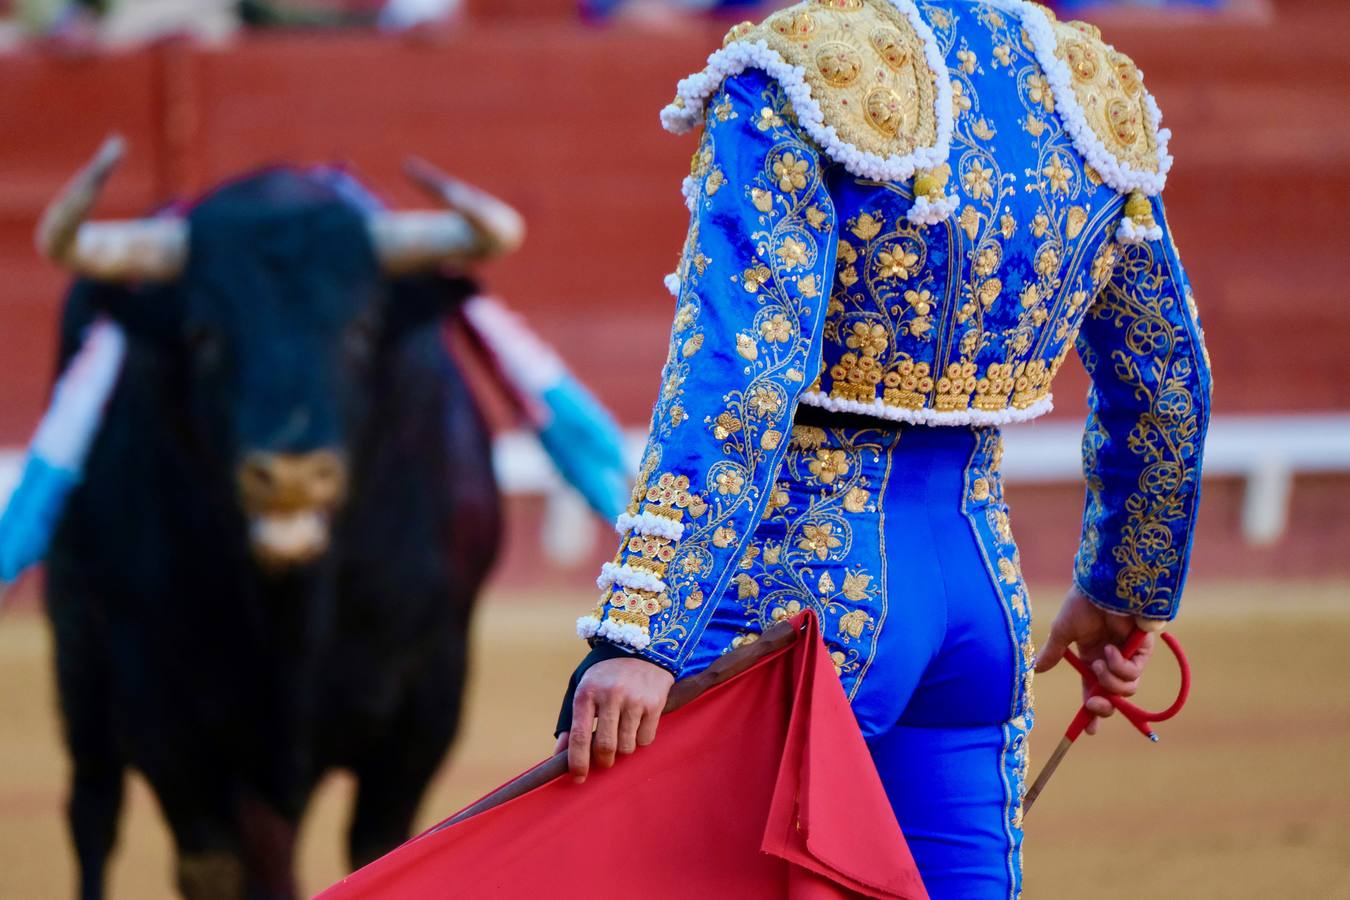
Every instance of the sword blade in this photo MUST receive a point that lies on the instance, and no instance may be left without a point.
(1043, 779)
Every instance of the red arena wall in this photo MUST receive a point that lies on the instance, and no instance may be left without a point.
(561, 119)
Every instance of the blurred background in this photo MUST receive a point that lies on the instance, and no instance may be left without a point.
(552, 105)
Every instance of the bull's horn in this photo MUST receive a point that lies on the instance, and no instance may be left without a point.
(477, 226)
(135, 250)
(419, 241)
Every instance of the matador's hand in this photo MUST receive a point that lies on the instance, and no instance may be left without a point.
(1099, 636)
(622, 700)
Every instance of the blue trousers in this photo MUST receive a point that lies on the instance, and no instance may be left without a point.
(898, 537)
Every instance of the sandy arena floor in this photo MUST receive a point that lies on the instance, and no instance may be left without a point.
(1247, 796)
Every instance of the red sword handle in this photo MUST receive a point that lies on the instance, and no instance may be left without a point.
(1141, 719)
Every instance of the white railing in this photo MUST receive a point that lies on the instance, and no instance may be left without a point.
(1267, 452)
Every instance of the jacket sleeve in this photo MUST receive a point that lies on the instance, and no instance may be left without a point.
(751, 289)
(1148, 412)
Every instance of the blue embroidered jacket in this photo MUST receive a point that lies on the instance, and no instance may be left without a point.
(914, 212)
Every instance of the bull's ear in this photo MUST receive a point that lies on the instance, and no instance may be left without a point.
(418, 299)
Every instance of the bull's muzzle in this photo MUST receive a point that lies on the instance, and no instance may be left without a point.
(289, 500)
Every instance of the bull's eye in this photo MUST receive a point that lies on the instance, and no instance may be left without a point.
(205, 345)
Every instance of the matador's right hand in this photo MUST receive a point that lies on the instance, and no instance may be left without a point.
(617, 707)
(1099, 635)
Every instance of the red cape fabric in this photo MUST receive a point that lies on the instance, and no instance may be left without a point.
(760, 788)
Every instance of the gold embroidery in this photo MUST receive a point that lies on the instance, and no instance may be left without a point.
(865, 66)
(908, 385)
(807, 558)
(1109, 90)
(1143, 303)
(891, 46)
(794, 25)
(851, 624)
(993, 390)
(885, 110)
(955, 386)
(839, 64)
(842, 5)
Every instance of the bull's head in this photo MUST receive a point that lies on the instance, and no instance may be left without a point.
(276, 350)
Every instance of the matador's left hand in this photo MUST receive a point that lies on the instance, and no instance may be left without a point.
(1099, 635)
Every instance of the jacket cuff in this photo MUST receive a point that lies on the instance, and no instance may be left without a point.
(1095, 600)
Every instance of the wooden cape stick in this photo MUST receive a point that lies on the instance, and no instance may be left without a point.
(684, 691)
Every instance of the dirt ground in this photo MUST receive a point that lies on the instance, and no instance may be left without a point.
(1247, 795)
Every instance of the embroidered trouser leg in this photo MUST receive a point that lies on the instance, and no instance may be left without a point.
(898, 537)
(952, 763)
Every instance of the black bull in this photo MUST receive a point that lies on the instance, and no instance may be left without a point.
(270, 567)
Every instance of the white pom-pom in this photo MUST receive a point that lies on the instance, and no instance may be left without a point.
(1131, 232)
(649, 524)
(627, 635)
(629, 577)
(587, 626)
(879, 409)
(932, 212)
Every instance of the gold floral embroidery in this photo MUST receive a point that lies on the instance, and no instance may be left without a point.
(790, 229)
(790, 172)
(806, 541)
(829, 465)
(1159, 359)
(819, 539)
(897, 262)
(855, 587)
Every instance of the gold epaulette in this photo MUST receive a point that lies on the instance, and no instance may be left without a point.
(867, 82)
(866, 68)
(1112, 120)
(1110, 92)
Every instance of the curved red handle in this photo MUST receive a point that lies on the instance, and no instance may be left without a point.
(1184, 692)
(1138, 717)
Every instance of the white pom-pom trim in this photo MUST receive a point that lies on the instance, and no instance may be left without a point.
(689, 191)
(1131, 232)
(931, 212)
(736, 57)
(672, 283)
(650, 525)
(627, 634)
(881, 410)
(587, 626)
(1118, 175)
(629, 577)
